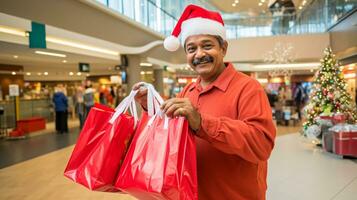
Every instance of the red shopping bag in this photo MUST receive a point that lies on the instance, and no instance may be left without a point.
(100, 149)
(161, 162)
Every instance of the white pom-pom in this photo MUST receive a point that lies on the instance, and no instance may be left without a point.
(171, 43)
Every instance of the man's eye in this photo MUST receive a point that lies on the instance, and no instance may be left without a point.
(207, 46)
(190, 49)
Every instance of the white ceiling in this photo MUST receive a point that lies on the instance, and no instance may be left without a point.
(36, 63)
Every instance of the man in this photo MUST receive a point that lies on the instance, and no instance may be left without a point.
(227, 110)
(299, 97)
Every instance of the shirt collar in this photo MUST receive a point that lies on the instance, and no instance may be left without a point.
(222, 80)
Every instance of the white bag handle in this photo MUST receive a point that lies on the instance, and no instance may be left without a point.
(127, 103)
(154, 101)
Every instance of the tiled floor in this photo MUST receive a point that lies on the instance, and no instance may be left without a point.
(39, 143)
(297, 171)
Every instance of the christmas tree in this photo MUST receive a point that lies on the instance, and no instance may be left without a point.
(329, 92)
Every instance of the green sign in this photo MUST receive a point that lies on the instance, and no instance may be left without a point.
(38, 36)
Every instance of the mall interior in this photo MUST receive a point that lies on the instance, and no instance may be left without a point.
(106, 46)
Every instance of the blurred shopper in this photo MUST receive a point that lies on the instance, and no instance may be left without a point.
(88, 99)
(299, 96)
(61, 107)
(227, 110)
(78, 101)
(102, 98)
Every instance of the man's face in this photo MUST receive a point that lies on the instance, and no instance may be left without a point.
(205, 55)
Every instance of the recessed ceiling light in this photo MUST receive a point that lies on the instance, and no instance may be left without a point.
(12, 31)
(45, 73)
(64, 61)
(50, 54)
(146, 64)
(260, 3)
(236, 1)
(142, 73)
(13, 73)
(71, 73)
(233, 4)
(28, 73)
(16, 56)
(300, 7)
(39, 73)
(79, 73)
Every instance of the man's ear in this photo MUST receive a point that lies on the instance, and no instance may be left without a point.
(224, 48)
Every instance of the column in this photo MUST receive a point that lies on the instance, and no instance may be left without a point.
(133, 70)
(159, 80)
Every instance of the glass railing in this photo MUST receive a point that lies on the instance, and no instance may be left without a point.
(27, 109)
(317, 17)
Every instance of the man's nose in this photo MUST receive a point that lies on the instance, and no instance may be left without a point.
(200, 53)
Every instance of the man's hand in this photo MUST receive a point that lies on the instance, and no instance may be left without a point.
(141, 96)
(182, 107)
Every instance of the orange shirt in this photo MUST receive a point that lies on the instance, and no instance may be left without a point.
(235, 139)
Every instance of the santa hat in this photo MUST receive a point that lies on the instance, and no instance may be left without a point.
(195, 21)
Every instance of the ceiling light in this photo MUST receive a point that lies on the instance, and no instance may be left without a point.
(233, 4)
(13, 73)
(12, 31)
(300, 7)
(260, 3)
(39, 73)
(51, 54)
(71, 73)
(146, 64)
(64, 61)
(284, 66)
(79, 73)
(81, 46)
(28, 73)
(236, 1)
(87, 75)
(16, 56)
(142, 73)
(350, 75)
(45, 73)
(351, 66)
(262, 80)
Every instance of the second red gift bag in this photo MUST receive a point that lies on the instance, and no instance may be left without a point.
(161, 160)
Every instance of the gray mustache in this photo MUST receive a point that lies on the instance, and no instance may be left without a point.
(198, 61)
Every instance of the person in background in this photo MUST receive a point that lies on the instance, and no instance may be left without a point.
(228, 112)
(299, 96)
(88, 100)
(78, 101)
(102, 97)
(61, 107)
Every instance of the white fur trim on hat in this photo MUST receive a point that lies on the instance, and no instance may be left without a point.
(198, 26)
(171, 43)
